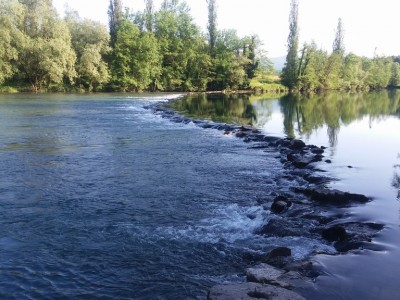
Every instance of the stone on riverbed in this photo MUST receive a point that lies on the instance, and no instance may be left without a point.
(336, 197)
(335, 233)
(264, 273)
(251, 291)
(296, 144)
(280, 204)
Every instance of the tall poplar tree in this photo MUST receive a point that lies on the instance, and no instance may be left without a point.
(212, 25)
(149, 15)
(338, 43)
(290, 71)
(114, 16)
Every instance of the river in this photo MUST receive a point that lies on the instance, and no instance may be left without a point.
(101, 198)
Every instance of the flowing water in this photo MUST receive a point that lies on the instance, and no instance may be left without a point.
(100, 198)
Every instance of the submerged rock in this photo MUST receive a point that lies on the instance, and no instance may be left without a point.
(297, 144)
(286, 227)
(280, 204)
(336, 197)
(264, 273)
(279, 257)
(280, 252)
(352, 236)
(335, 233)
(241, 134)
(251, 291)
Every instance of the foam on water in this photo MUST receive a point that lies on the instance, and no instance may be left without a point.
(227, 224)
(160, 98)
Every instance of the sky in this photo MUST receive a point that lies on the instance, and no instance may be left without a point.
(371, 27)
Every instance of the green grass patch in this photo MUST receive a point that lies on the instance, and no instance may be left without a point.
(268, 84)
(8, 90)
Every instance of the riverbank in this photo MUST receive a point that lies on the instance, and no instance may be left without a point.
(312, 210)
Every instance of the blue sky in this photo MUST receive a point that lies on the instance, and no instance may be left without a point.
(371, 27)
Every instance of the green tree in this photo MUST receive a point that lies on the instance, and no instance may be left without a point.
(338, 43)
(90, 41)
(46, 55)
(146, 67)
(229, 63)
(395, 78)
(354, 74)
(212, 25)
(136, 60)
(178, 38)
(312, 68)
(122, 57)
(11, 19)
(379, 72)
(290, 71)
(334, 71)
(149, 15)
(250, 47)
(115, 14)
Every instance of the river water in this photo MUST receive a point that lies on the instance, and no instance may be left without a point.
(101, 198)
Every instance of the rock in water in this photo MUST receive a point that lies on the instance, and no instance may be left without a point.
(280, 252)
(280, 204)
(251, 291)
(264, 273)
(335, 233)
(296, 144)
(335, 197)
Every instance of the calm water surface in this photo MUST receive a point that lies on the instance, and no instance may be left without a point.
(100, 198)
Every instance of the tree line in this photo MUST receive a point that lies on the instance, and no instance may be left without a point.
(150, 50)
(312, 69)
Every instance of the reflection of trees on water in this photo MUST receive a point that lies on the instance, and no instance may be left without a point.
(396, 184)
(333, 136)
(396, 178)
(304, 114)
(234, 108)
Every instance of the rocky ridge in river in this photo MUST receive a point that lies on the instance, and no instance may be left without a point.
(308, 209)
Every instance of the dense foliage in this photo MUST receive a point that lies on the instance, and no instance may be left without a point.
(313, 69)
(156, 50)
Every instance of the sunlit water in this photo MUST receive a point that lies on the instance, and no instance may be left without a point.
(101, 198)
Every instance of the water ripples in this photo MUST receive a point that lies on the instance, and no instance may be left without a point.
(103, 199)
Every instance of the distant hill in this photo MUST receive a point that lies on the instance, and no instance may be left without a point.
(278, 62)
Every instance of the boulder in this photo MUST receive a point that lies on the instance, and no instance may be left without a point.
(302, 161)
(358, 235)
(241, 134)
(333, 196)
(251, 291)
(335, 233)
(287, 227)
(279, 257)
(264, 273)
(296, 144)
(280, 204)
(317, 150)
(248, 128)
(280, 252)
